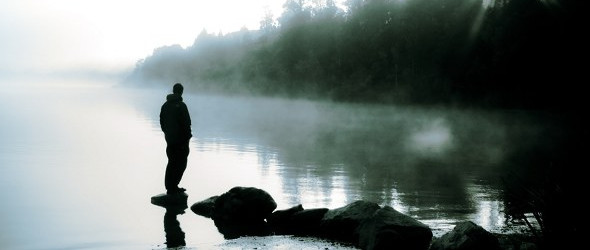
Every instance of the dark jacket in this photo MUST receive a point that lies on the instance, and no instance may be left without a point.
(175, 120)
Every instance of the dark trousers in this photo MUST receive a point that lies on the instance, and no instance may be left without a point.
(177, 156)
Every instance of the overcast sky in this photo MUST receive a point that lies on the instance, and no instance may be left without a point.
(47, 35)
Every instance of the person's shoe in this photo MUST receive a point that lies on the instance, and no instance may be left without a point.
(176, 191)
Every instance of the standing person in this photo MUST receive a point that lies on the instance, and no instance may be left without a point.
(175, 122)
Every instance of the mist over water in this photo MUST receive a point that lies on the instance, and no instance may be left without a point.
(439, 165)
(78, 165)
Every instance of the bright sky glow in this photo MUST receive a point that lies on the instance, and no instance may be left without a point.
(43, 36)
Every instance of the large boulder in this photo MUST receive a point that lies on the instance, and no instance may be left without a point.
(342, 223)
(390, 229)
(304, 222)
(308, 221)
(205, 207)
(466, 236)
(297, 221)
(248, 211)
(280, 221)
(241, 211)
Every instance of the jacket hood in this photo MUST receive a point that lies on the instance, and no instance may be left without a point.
(174, 98)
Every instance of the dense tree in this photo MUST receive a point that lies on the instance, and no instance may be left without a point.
(268, 24)
(502, 53)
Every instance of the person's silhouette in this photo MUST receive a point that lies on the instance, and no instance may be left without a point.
(175, 122)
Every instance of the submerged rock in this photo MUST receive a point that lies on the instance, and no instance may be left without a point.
(177, 199)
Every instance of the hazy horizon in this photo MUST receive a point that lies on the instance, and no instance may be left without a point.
(68, 38)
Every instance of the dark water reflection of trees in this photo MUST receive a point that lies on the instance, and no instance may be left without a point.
(410, 149)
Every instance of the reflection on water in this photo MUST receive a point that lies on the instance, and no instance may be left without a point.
(439, 166)
(78, 165)
(174, 234)
(175, 205)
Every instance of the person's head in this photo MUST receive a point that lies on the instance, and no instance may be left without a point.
(177, 89)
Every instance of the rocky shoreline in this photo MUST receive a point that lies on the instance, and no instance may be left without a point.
(246, 212)
(507, 242)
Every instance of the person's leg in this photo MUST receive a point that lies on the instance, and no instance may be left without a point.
(183, 151)
(177, 162)
(170, 168)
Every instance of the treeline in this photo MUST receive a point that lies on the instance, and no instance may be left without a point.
(500, 53)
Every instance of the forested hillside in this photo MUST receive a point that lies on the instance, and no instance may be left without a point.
(493, 53)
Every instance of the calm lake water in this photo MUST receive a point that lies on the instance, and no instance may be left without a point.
(79, 163)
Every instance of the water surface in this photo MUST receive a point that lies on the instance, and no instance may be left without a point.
(79, 163)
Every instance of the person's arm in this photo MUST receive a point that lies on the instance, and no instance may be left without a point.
(162, 123)
(186, 121)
